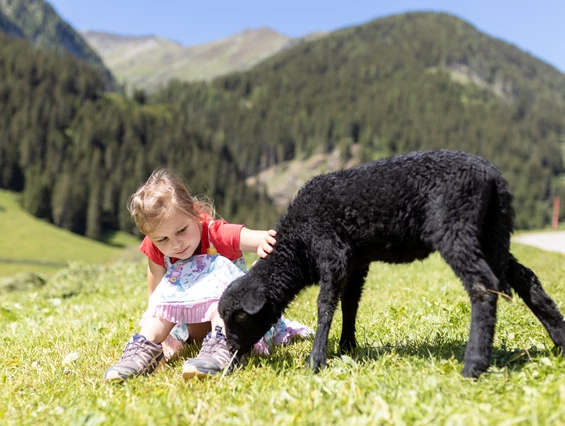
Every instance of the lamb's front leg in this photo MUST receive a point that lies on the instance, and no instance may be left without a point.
(349, 305)
(332, 261)
(327, 302)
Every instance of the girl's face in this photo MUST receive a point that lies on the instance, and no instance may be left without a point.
(177, 237)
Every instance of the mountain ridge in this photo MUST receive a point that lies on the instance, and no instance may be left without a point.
(150, 61)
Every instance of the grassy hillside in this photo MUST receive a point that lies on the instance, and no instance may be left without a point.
(31, 244)
(148, 62)
(412, 330)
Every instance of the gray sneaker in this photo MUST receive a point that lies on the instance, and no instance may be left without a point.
(140, 357)
(212, 359)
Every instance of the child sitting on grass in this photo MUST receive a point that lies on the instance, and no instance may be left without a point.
(192, 259)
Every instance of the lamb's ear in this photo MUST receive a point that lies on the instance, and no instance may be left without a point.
(253, 301)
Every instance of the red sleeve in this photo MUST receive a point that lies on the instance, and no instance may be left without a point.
(152, 252)
(225, 237)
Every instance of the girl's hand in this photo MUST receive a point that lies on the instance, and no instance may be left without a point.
(266, 246)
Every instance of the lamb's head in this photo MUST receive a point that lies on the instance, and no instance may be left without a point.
(247, 312)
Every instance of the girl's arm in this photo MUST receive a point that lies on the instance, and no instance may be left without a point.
(154, 275)
(261, 242)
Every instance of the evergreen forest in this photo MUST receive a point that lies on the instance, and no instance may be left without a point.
(406, 82)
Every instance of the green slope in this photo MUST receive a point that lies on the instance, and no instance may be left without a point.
(31, 244)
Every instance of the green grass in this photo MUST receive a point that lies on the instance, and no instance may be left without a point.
(28, 239)
(56, 343)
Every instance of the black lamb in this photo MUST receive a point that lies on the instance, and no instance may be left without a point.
(394, 210)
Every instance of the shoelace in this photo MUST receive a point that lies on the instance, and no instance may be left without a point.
(218, 349)
(132, 349)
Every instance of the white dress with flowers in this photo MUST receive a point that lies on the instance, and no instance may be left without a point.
(189, 293)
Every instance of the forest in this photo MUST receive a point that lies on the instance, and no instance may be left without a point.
(407, 82)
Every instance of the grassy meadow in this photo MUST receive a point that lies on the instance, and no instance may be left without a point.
(33, 245)
(57, 341)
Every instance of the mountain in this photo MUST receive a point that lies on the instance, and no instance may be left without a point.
(39, 23)
(406, 82)
(8, 27)
(148, 62)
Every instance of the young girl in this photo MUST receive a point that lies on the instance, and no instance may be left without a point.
(192, 259)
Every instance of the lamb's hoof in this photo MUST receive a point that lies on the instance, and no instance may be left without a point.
(315, 364)
(347, 346)
(472, 372)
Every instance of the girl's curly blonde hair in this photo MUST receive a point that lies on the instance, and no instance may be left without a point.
(164, 194)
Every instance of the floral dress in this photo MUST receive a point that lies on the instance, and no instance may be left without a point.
(189, 293)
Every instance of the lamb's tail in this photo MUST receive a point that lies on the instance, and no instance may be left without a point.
(504, 203)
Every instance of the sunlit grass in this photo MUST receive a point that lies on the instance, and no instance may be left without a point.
(412, 330)
(26, 238)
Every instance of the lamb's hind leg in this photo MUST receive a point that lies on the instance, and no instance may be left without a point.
(528, 287)
(349, 304)
(468, 262)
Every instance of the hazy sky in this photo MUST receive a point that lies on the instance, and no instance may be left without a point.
(536, 26)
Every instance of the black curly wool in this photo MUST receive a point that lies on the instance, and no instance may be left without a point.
(395, 210)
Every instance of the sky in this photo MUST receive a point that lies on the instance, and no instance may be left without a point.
(535, 26)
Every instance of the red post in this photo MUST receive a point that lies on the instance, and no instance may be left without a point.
(555, 222)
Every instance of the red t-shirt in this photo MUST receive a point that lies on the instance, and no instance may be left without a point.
(224, 236)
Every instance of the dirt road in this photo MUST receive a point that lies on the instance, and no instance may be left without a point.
(550, 241)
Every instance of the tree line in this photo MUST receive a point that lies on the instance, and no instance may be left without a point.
(76, 153)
